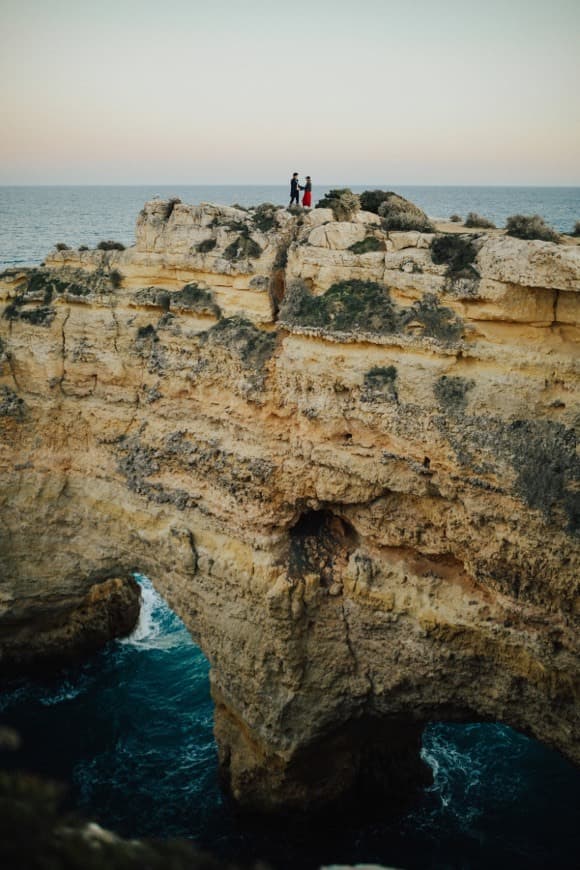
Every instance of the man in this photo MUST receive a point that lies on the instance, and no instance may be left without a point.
(294, 190)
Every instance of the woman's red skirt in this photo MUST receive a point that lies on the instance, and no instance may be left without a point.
(307, 199)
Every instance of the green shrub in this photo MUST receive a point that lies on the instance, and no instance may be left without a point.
(400, 214)
(371, 243)
(455, 218)
(530, 227)
(116, 278)
(110, 245)
(345, 307)
(191, 297)
(265, 217)
(83, 248)
(457, 251)
(576, 229)
(437, 321)
(370, 200)
(206, 246)
(366, 306)
(476, 220)
(60, 246)
(343, 202)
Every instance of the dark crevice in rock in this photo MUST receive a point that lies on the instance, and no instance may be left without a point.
(320, 543)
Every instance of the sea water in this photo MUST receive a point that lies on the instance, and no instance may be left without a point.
(131, 730)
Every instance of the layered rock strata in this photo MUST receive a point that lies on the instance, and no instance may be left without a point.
(345, 456)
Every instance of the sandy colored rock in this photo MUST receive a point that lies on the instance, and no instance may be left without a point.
(338, 236)
(368, 522)
(530, 264)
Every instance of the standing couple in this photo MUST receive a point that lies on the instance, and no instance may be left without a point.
(295, 187)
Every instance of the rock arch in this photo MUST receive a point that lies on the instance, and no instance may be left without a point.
(345, 590)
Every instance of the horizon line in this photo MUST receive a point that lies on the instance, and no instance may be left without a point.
(376, 185)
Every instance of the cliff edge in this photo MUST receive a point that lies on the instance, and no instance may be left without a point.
(347, 458)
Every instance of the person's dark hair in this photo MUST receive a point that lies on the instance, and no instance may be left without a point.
(294, 173)
(307, 178)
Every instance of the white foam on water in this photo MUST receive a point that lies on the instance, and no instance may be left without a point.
(157, 626)
(148, 627)
(66, 692)
(455, 771)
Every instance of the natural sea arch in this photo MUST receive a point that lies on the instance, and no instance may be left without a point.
(133, 726)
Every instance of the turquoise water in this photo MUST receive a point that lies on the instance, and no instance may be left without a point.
(33, 219)
(131, 730)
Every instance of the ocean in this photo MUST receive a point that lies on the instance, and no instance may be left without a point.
(130, 729)
(33, 219)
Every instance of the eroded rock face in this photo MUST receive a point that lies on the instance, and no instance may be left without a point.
(364, 508)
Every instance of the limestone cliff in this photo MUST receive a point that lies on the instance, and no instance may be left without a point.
(345, 456)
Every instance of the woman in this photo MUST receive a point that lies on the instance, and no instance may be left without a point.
(307, 198)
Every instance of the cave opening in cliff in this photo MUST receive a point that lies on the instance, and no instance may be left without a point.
(320, 541)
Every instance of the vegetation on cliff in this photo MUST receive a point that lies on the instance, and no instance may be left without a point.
(343, 202)
(380, 383)
(476, 220)
(457, 252)
(11, 405)
(196, 299)
(368, 244)
(366, 306)
(397, 212)
(243, 247)
(530, 227)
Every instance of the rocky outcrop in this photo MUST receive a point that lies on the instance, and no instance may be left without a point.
(345, 455)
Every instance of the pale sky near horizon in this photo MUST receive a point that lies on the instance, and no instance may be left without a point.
(224, 92)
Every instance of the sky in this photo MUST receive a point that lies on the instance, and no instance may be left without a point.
(247, 91)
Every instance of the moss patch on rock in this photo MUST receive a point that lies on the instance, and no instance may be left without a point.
(451, 393)
(380, 384)
(206, 246)
(252, 346)
(11, 405)
(244, 247)
(153, 296)
(436, 320)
